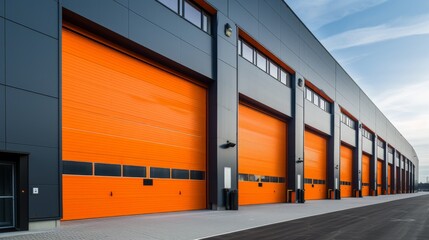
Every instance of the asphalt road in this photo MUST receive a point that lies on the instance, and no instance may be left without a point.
(401, 219)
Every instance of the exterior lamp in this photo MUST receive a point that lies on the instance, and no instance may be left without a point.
(228, 30)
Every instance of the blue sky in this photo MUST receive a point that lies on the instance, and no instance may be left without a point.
(384, 46)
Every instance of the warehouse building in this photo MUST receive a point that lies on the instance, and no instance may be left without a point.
(123, 107)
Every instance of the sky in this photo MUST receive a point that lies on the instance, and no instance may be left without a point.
(384, 46)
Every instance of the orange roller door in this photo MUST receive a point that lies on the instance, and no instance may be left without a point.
(365, 174)
(379, 176)
(315, 155)
(346, 171)
(389, 179)
(128, 121)
(261, 157)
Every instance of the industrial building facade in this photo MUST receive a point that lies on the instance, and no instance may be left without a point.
(122, 107)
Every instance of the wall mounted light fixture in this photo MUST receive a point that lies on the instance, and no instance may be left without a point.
(300, 82)
(228, 30)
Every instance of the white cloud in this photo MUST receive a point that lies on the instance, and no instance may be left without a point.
(318, 13)
(404, 107)
(362, 36)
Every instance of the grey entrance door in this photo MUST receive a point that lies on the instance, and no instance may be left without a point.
(7, 196)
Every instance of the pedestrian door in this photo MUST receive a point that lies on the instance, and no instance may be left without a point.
(7, 196)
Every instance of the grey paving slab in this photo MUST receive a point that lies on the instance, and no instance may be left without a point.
(199, 224)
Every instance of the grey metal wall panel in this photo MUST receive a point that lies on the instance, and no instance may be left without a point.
(195, 59)
(160, 40)
(380, 153)
(31, 60)
(391, 134)
(367, 145)
(43, 163)
(317, 118)
(168, 20)
(2, 114)
(227, 105)
(123, 2)
(270, 18)
(221, 6)
(31, 118)
(269, 40)
(41, 15)
(348, 135)
(260, 86)
(380, 124)
(367, 111)
(251, 6)
(290, 41)
(243, 18)
(349, 92)
(109, 13)
(2, 8)
(45, 204)
(290, 58)
(227, 52)
(2, 52)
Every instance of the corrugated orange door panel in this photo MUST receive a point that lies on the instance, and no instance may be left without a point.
(261, 152)
(315, 154)
(119, 110)
(389, 179)
(379, 176)
(365, 174)
(346, 166)
(403, 180)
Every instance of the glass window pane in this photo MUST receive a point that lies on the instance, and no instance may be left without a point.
(206, 23)
(6, 188)
(192, 14)
(309, 95)
(239, 47)
(274, 70)
(322, 104)
(6, 215)
(247, 52)
(283, 77)
(261, 61)
(171, 4)
(316, 100)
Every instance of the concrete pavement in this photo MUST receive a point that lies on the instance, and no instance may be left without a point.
(199, 224)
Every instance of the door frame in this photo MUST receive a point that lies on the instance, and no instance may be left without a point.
(20, 166)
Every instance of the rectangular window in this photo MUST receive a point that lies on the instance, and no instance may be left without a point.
(179, 174)
(284, 78)
(274, 70)
(247, 52)
(267, 65)
(77, 168)
(322, 104)
(102, 169)
(316, 100)
(192, 14)
(243, 177)
(206, 23)
(159, 172)
(171, 4)
(134, 171)
(261, 62)
(239, 47)
(198, 175)
(309, 94)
